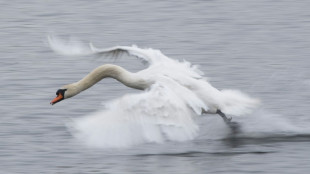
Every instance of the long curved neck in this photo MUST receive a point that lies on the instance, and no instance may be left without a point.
(108, 70)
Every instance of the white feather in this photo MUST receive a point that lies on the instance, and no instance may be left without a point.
(177, 92)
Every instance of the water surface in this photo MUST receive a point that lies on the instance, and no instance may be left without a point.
(261, 48)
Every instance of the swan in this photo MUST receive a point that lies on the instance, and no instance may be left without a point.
(181, 78)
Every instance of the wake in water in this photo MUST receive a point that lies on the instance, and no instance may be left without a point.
(175, 93)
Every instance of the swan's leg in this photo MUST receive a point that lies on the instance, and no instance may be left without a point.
(234, 126)
(227, 120)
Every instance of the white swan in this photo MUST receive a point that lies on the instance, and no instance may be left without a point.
(183, 79)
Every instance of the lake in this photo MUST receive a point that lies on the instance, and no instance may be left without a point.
(258, 47)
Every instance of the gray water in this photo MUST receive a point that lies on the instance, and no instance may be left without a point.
(259, 47)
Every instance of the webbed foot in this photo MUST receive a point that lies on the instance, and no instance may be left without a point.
(225, 118)
(234, 126)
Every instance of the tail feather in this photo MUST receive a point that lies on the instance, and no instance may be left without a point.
(237, 103)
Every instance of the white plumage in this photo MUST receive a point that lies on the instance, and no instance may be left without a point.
(174, 92)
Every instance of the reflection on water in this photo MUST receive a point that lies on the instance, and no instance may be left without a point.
(267, 139)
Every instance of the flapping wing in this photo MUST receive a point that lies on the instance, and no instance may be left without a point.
(156, 115)
(74, 47)
(120, 50)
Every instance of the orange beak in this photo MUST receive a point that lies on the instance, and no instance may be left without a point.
(57, 99)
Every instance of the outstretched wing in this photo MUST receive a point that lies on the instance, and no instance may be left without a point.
(156, 115)
(120, 50)
(74, 47)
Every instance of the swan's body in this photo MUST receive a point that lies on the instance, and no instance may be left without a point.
(164, 79)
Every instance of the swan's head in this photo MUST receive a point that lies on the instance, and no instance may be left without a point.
(64, 93)
(60, 96)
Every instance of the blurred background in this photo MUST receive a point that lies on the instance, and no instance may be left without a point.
(259, 47)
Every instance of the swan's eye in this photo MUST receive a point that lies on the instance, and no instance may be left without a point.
(60, 91)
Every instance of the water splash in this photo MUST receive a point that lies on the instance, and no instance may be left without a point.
(264, 123)
(114, 127)
(135, 119)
